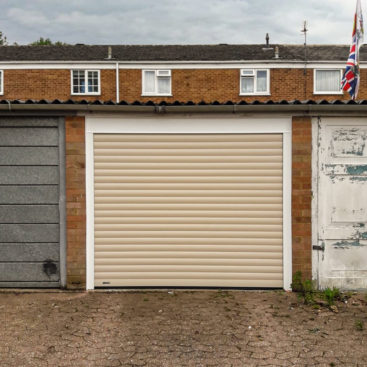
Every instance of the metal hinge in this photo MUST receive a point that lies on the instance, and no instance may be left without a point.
(319, 248)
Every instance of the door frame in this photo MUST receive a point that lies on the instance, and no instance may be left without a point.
(190, 124)
(62, 202)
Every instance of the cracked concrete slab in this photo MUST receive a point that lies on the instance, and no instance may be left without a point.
(180, 328)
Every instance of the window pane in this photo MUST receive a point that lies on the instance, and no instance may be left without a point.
(261, 81)
(247, 72)
(163, 72)
(149, 81)
(247, 84)
(92, 81)
(82, 86)
(78, 81)
(164, 84)
(328, 80)
(75, 74)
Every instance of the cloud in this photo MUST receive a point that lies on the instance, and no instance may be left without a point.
(30, 18)
(176, 21)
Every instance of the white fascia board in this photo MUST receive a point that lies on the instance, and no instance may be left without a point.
(171, 65)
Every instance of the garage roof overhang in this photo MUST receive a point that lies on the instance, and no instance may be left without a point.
(295, 107)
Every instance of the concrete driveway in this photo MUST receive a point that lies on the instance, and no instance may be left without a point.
(181, 328)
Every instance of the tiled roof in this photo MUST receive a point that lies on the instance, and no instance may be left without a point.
(221, 52)
(178, 103)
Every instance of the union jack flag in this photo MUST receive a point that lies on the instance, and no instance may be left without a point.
(350, 81)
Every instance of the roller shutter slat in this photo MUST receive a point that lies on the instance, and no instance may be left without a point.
(114, 161)
(188, 210)
(112, 169)
(111, 263)
(105, 219)
(180, 179)
(173, 173)
(161, 268)
(112, 211)
(186, 145)
(145, 276)
(187, 234)
(186, 138)
(208, 243)
(186, 226)
(203, 256)
(119, 154)
(266, 208)
(194, 192)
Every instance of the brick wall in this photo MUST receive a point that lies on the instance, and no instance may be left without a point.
(75, 202)
(301, 194)
(223, 85)
(187, 85)
(52, 84)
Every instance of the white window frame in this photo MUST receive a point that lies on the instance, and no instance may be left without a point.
(86, 93)
(340, 92)
(255, 93)
(156, 75)
(2, 82)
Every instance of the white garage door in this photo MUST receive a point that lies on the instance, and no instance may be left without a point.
(342, 203)
(188, 210)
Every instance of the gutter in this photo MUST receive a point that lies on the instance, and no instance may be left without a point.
(295, 109)
(198, 62)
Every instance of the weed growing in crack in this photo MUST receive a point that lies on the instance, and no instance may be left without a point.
(331, 295)
(306, 290)
(304, 287)
(223, 294)
(359, 325)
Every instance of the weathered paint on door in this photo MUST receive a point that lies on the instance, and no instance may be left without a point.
(342, 203)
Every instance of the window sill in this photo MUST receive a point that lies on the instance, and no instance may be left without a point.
(157, 95)
(329, 93)
(255, 94)
(85, 94)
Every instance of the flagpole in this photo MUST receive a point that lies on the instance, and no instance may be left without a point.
(351, 76)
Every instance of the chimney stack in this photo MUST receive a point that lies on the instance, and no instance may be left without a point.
(267, 40)
(276, 52)
(109, 56)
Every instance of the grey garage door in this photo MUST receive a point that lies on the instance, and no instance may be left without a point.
(29, 201)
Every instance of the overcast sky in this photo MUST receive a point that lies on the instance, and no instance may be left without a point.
(178, 21)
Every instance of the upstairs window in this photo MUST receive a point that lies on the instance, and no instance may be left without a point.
(85, 82)
(156, 82)
(254, 82)
(327, 81)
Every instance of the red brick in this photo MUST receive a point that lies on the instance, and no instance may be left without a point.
(301, 194)
(75, 206)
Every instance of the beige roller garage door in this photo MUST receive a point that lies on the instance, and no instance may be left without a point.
(188, 210)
